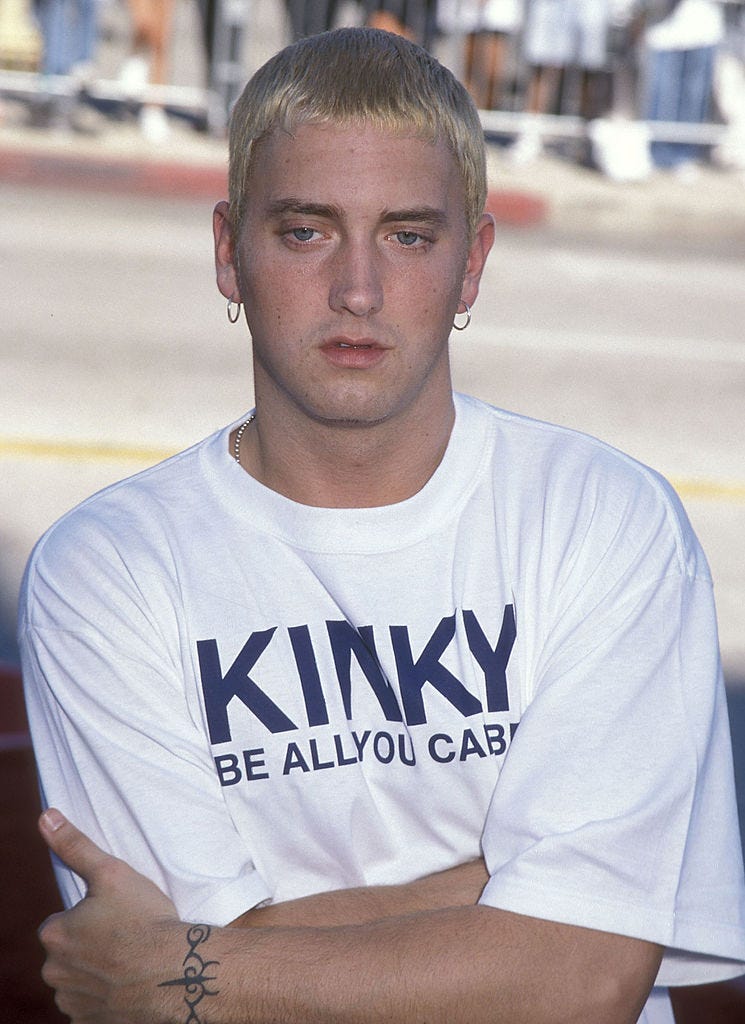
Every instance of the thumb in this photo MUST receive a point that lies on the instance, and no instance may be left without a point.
(71, 846)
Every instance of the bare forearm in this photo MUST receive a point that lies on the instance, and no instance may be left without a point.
(457, 887)
(121, 956)
(472, 964)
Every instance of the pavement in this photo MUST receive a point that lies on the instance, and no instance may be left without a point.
(553, 191)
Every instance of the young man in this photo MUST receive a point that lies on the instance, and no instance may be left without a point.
(423, 698)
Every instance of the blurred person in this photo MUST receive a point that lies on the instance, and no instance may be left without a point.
(561, 36)
(223, 31)
(309, 17)
(149, 62)
(490, 27)
(681, 41)
(208, 17)
(420, 696)
(620, 141)
(729, 86)
(414, 19)
(69, 32)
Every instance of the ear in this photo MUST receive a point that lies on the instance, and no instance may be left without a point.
(222, 229)
(477, 253)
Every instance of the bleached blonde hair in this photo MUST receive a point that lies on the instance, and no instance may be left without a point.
(358, 76)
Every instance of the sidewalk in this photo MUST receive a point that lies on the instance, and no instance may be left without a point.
(552, 192)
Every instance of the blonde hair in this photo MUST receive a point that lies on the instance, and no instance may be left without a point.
(357, 76)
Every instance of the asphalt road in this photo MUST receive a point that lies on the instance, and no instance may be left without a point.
(114, 334)
(115, 350)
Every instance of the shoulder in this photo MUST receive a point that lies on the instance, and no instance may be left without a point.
(125, 503)
(95, 548)
(573, 485)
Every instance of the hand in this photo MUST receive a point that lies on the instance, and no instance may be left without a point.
(107, 956)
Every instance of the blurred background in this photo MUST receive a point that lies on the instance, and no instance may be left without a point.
(614, 300)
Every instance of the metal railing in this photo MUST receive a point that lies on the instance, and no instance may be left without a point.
(236, 51)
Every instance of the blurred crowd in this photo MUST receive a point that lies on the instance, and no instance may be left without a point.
(631, 69)
(627, 67)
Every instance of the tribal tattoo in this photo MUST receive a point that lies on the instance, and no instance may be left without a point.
(195, 977)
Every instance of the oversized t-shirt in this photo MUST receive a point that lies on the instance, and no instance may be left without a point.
(250, 699)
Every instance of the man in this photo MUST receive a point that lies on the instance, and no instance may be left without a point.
(423, 698)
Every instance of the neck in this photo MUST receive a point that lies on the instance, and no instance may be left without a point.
(342, 466)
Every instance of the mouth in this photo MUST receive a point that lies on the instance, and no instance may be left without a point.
(353, 353)
(353, 343)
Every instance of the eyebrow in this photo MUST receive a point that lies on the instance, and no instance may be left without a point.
(418, 214)
(431, 215)
(278, 207)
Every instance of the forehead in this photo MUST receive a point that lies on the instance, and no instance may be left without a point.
(358, 168)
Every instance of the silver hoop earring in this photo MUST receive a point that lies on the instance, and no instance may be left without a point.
(467, 313)
(233, 317)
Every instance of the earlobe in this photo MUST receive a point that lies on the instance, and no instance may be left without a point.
(222, 229)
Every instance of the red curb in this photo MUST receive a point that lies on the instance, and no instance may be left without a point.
(518, 209)
(112, 175)
(178, 180)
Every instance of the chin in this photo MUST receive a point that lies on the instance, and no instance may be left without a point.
(348, 420)
(350, 411)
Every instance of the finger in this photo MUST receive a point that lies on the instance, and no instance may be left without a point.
(48, 930)
(71, 846)
(48, 920)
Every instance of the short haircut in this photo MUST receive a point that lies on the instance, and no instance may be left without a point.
(358, 76)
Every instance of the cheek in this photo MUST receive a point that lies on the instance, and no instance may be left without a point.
(283, 291)
(264, 299)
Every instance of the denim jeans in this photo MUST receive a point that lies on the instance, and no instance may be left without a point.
(679, 89)
(68, 29)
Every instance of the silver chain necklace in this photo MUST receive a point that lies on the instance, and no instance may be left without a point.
(238, 435)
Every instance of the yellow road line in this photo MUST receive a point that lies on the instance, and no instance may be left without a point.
(82, 451)
(710, 490)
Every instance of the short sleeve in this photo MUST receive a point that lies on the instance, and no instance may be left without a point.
(120, 746)
(615, 808)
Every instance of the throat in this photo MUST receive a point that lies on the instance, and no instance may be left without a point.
(349, 468)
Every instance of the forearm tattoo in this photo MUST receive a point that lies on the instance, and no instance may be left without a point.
(195, 978)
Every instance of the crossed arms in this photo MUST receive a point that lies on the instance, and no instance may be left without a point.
(422, 953)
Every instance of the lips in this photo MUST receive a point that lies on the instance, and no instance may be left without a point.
(346, 342)
(353, 353)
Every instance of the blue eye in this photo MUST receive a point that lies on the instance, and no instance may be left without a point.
(303, 234)
(407, 237)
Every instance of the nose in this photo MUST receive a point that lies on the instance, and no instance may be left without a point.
(356, 286)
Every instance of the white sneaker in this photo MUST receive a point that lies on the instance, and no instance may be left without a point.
(134, 74)
(731, 152)
(620, 149)
(526, 148)
(154, 125)
(688, 172)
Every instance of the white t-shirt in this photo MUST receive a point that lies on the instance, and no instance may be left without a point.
(461, 16)
(250, 699)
